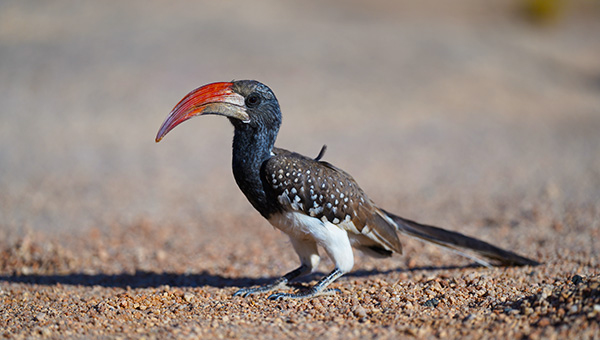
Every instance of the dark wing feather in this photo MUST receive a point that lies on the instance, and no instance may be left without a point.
(323, 191)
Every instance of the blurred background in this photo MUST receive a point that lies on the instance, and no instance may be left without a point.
(447, 112)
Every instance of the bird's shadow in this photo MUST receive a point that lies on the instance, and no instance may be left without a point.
(148, 279)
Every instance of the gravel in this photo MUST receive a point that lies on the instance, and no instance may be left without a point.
(469, 117)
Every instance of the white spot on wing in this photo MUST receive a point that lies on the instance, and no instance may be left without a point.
(315, 211)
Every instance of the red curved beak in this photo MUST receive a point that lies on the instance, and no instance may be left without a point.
(215, 98)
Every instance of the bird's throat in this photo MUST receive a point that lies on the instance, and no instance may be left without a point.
(251, 148)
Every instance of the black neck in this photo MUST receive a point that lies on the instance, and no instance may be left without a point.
(252, 146)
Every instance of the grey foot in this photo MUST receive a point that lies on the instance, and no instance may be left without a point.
(311, 293)
(244, 292)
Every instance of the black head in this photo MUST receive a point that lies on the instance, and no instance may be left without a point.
(260, 103)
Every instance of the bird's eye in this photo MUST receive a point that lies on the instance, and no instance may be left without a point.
(253, 100)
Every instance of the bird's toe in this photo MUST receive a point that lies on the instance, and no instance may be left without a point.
(245, 292)
(304, 295)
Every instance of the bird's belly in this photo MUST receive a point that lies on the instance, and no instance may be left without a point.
(329, 236)
(303, 227)
(298, 225)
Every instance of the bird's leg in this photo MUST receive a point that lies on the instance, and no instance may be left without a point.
(336, 243)
(281, 282)
(309, 259)
(320, 288)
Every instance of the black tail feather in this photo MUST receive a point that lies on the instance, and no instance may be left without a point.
(457, 241)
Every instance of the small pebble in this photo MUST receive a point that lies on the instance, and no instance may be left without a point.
(576, 279)
(188, 297)
(360, 312)
(544, 322)
(431, 303)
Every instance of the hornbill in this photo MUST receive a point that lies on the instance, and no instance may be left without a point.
(315, 203)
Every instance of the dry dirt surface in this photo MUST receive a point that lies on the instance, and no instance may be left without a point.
(478, 116)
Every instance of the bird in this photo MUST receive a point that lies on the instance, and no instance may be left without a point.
(318, 205)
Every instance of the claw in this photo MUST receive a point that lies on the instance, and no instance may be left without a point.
(242, 292)
(245, 292)
(278, 296)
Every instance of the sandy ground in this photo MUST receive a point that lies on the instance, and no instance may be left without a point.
(468, 116)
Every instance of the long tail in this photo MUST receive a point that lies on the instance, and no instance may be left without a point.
(459, 242)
